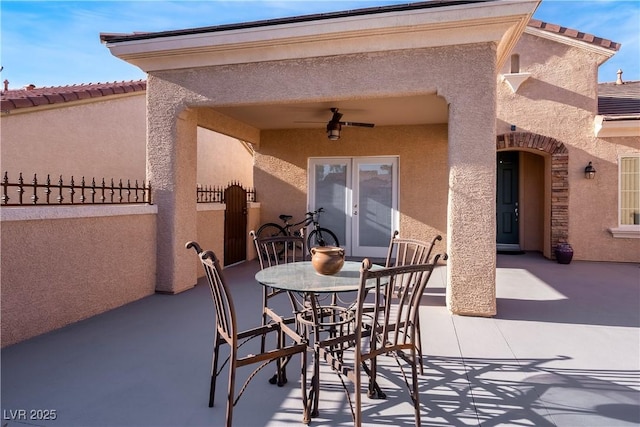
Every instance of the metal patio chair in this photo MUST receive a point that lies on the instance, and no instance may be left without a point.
(386, 320)
(274, 251)
(404, 251)
(227, 332)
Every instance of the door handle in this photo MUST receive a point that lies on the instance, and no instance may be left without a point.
(516, 211)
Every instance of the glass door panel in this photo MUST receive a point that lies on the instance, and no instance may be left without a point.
(360, 201)
(375, 205)
(330, 182)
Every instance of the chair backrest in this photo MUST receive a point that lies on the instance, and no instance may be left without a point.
(279, 249)
(396, 301)
(409, 251)
(222, 301)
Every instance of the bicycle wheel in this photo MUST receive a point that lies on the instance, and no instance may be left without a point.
(270, 229)
(322, 237)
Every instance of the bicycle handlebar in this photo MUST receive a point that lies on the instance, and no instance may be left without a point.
(317, 211)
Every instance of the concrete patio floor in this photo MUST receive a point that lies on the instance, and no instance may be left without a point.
(564, 350)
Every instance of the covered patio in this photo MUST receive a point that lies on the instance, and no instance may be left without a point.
(564, 350)
(424, 73)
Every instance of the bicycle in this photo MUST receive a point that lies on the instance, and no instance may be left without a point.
(319, 236)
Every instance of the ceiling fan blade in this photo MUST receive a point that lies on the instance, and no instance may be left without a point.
(366, 125)
(336, 115)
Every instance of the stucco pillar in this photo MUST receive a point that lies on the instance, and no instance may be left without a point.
(171, 168)
(471, 227)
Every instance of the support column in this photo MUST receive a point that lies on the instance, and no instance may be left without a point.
(171, 168)
(471, 227)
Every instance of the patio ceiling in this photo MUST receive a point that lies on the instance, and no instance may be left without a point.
(389, 111)
(365, 31)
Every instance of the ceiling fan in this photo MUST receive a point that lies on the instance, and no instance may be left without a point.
(335, 125)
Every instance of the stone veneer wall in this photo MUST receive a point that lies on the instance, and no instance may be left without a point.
(559, 177)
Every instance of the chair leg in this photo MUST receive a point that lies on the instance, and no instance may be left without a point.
(212, 390)
(231, 387)
(315, 380)
(373, 391)
(306, 401)
(214, 372)
(415, 392)
(281, 373)
(264, 316)
(419, 345)
(357, 384)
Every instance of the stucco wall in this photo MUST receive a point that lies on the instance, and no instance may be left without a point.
(222, 159)
(210, 234)
(282, 161)
(59, 267)
(559, 100)
(253, 222)
(211, 229)
(104, 138)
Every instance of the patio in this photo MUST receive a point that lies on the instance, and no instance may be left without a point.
(564, 350)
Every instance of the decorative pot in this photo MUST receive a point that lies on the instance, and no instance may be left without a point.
(564, 253)
(327, 260)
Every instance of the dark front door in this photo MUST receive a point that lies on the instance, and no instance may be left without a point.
(507, 201)
(235, 224)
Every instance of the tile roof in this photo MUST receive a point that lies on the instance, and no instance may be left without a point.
(619, 100)
(13, 99)
(570, 32)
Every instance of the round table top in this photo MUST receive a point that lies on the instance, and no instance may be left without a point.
(302, 277)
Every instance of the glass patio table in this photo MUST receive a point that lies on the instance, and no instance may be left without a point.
(302, 278)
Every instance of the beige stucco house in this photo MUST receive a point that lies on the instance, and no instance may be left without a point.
(74, 131)
(444, 82)
(463, 96)
(98, 130)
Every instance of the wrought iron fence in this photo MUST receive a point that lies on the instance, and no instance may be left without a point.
(251, 195)
(72, 193)
(209, 194)
(48, 193)
(214, 194)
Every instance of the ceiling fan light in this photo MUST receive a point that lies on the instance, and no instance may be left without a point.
(333, 131)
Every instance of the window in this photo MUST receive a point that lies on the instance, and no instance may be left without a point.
(515, 63)
(629, 191)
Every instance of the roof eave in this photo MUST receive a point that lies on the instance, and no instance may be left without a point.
(499, 21)
(617, 126)
(606, 52)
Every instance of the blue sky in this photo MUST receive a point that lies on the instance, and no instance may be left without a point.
(51, 43)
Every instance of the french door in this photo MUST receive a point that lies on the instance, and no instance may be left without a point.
(360, 200)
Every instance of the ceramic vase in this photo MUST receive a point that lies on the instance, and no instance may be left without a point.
(327, 260)
(564, 253)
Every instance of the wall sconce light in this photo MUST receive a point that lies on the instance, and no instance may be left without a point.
(513, 128)
(589, 171)
(333, 130)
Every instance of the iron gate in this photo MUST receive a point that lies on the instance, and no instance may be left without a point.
(235, 224)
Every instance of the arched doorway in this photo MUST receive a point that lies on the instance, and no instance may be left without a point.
(552, 175)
